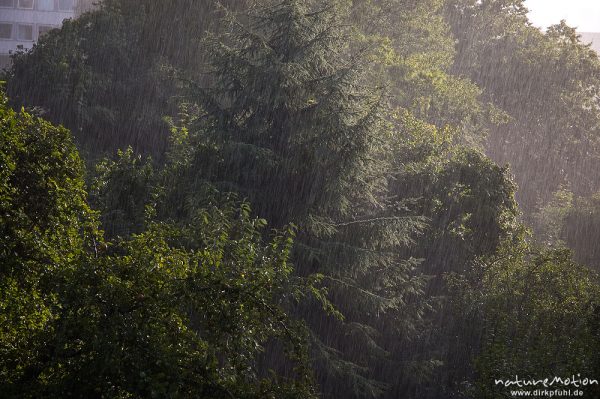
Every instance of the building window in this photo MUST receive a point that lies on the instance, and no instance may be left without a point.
(5, 30)
(25, 32)
(28, 4)
(65, 5)
(7, 3)
(43, 29)
(45, 5)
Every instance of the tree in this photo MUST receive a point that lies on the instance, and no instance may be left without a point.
(45, 225)
(537, 309)
(110, 75)
(572, 222)
(178, 312)
(581, 229)
(416, 52)
(550, 218)
(469, 205)
(291, 122)
(467, 199)
(551, 138)
(179, 309)
(357, 121)
(120, 190)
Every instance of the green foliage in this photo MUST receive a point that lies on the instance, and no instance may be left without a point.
(109, 75)
(91, 77)
(551, 138)
(171, 30)
(572, 222)
(43, 197)
(309, 132)
(581, 230)
(538, 310)
(362, 123)
(45, 224)
(416, 51)
(470, 208)
(550, 219)
(467, 199)
(120, 191)
(291, 121)
(178, 310)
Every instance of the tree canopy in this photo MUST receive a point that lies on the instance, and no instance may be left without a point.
(298, 199)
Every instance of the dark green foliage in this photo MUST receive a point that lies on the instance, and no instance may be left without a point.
(538, 310)
(289, 111)
(468, 200)
(469, 204)
(581, 230)
(292, 123)
(91, 76)
(109, 75)
(573, 222)
(360, 122)
(171, 30)
(120, 191)
(178, 310)
(531, 314)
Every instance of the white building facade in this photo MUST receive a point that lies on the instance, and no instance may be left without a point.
(22, 22)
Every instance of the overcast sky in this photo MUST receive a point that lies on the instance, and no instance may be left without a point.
(582, 14)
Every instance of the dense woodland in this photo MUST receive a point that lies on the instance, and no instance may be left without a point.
(299, 199)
